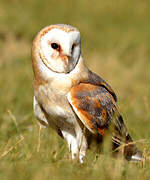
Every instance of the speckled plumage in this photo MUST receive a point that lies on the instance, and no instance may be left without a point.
(69, 97)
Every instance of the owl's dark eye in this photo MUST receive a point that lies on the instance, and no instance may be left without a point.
(73, 46)
(55, 46)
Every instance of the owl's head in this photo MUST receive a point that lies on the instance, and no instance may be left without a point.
(58, 47)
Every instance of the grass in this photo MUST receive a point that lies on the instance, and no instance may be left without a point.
(115, 44)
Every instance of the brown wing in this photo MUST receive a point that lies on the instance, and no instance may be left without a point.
(94, 106)
(97, 80)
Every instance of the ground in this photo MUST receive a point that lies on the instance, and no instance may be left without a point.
(115, 44)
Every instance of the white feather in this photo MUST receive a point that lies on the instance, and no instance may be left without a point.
(66, 41)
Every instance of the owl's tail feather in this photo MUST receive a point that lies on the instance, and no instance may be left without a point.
(122, 140)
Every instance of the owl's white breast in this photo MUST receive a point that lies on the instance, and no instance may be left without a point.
(56, 106)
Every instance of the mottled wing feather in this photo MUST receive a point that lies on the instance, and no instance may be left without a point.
(97, 80)
(94, 106)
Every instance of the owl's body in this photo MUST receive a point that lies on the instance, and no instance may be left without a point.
(69, 97)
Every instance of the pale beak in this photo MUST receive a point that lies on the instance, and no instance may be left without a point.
(66, 58)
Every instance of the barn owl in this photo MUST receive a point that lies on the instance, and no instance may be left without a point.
(68, 97)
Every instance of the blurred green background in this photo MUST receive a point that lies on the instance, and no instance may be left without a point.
(115, 44)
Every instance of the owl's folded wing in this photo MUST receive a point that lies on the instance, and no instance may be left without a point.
(94, 106)
(97, 80)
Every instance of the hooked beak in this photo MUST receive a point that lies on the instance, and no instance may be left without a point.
(66, 57)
